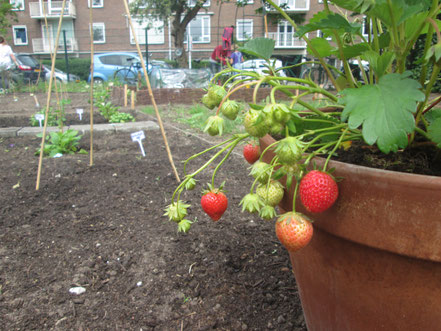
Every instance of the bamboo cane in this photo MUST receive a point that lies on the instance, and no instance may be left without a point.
(170, 157)
(91, 83)
(125, 95)
(132, 100)
(40, 162)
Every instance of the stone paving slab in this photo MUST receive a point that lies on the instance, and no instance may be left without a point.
(28, 131)
(83, 128)
(135, 126)
(9, 132)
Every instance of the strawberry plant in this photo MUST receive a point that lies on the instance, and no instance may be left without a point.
(388, 110)
(61, 143)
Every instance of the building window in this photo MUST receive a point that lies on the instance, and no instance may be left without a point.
(320, 34)
(192, 3)
(244, 2)
(244, 29)
(96, 3)
(132, 2)
(99, 33)
(18, 4)
(366, 26)
(20, 34)
(199, 29)
(155, 32)
(295, 4)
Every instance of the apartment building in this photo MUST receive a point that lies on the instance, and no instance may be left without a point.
(39, 20)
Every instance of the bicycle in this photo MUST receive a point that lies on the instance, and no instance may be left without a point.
(314, 72)
(130, 75)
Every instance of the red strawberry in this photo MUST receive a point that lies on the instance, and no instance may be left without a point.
(251, 152)
(214, 203)
(294, 231)
(318, 191)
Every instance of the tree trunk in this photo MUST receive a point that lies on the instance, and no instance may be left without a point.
(179, 33)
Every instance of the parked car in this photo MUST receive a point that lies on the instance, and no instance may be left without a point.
(59, 75)
(106, 64)
(29, 69)
(260, 66)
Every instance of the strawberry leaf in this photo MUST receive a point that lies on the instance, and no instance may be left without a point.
(384, 110)
(434, 131)
(259, 47)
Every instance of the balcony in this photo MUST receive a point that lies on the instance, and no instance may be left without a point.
(287, 40)
(291, 6)
(52, 10)
(46, 46)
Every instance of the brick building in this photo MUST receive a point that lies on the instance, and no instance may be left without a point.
(112, 31)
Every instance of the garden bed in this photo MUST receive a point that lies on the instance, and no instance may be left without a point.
(102, 228)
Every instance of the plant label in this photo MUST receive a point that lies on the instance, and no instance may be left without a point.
(39, 118)
(138, 137)
(80, 112)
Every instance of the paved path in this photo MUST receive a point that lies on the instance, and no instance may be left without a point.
(97, 128)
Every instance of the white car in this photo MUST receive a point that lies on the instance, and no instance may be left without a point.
(261, 66)
(59, 75)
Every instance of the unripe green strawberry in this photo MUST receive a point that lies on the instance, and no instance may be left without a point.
(267, 212)
(230, 109)
(190, 184)
(216, 93)
(254, 123)
(271, 193)
(261, 171)
(289, 150)
(214, 126)
(176, 211)
(294, 231)
(281, 113)
(277, 129)
(251, 203)
(184, 226)
(318, 191)
(207, 101)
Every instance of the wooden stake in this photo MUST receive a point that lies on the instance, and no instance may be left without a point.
(37, 104)
(170, 157)
(125, 95)
(91, 84)
(40, 162)
(132, 100)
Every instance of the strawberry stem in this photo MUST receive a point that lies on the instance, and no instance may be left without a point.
(295, 196)
(334, 149)
(233, 146)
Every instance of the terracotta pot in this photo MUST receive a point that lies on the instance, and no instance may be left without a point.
(374, 262)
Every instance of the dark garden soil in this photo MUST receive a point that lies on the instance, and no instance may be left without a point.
(102, 227)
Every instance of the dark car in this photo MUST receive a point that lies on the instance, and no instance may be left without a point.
(29, 70)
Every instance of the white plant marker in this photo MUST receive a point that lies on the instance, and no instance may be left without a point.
(80, 112)
(138, 137)
(39, 118)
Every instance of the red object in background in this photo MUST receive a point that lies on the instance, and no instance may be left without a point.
(219, 54)
(227, 38)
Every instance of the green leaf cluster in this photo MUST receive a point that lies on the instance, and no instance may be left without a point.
(66, 142)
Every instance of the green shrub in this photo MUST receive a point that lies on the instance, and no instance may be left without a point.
(121, 118)
(77, 66)
(61, 143)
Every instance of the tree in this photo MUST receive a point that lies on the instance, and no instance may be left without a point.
(181, 12)
(6, 15)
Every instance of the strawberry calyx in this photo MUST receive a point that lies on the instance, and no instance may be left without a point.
(184, 225)
(251, 203)
(176, 211)
(267, 212)
(214, 125)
